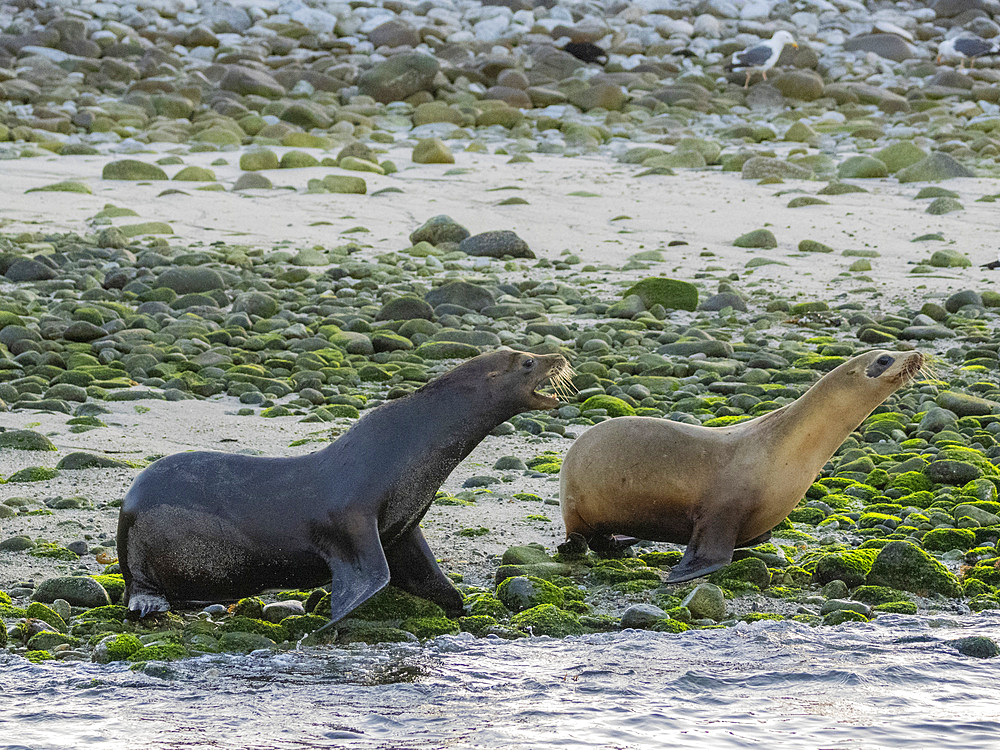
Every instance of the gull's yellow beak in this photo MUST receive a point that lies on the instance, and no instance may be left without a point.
(795, 44)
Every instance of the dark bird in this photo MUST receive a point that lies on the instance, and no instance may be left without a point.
(992, 265)
(589, 53)
(965, 48)
(761, 57)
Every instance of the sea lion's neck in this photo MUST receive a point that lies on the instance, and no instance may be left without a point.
(413, 444)
(809, 431)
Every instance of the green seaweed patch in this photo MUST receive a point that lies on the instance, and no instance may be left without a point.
(727, 420)
(36, 657)
(122, 646)
(661, 559)
(52, 551)
(758, 616)
(114, 584)
(430, 627)
(473, 531)
(276, 633)
(529, 497)
(33, 474)
(165, 651)
(897, 608)
(840, 616)
(548, 462)
(878, 595)
(669, 625)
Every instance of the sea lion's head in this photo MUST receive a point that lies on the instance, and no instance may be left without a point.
(523, 374)
(513, 379)
(880, 373)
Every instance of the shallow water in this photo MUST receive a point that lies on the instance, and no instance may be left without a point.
(772, 684)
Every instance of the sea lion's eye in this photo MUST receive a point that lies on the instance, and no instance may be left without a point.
(879, 366)
(528, 363)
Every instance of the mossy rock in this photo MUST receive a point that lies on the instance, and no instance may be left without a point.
(297, 160)
(132, 169)
(524, 592)
(943, 205)
(47, 640)
(117, 648)
(814, 246)
(432, 151)
(877, 595)
(258, 159)
(114, 584)
(862, 167)
(430, 627)
(750, 570)
(547, 619)
(345, 184)
(934, 168)
(840, 616)
(851, 567)
(446, 350)
(758, 238)
(25, 440)
(166, 651)
(33, 474)
(942, 540)
(670, 293)
(615, 407)
(275, 632)
(195, 174)
(394, 604)
(905, 566)
(900, 155)
(79, 591)
(243, 642)
(45, 613)
(67, 186)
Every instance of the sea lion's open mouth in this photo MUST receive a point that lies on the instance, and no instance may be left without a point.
(559, 377)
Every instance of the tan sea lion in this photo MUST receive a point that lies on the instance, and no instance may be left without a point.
(715, 488)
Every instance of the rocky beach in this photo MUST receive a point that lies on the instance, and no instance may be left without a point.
(240, 226)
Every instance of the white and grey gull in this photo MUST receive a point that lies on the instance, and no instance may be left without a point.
(965, 48)
(762, 56)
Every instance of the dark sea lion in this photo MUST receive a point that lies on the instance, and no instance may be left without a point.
(715, 488)
(209, 526)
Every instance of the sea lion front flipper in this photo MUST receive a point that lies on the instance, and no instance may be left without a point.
(358, 569)
(710, 548)
(765, 537)
(413, 568)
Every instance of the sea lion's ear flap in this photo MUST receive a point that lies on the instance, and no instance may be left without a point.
(493, 374)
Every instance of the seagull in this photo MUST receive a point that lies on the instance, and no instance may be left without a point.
(761, 57)
(964, 47)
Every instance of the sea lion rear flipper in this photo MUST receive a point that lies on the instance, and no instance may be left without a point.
(413, 568)
(358, 569)
(710, 548)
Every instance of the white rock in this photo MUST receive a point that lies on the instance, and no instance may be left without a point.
(721, 8)
(317, 21)
(669, 26)
(756, 10)
(491, 29)
(706, 25)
